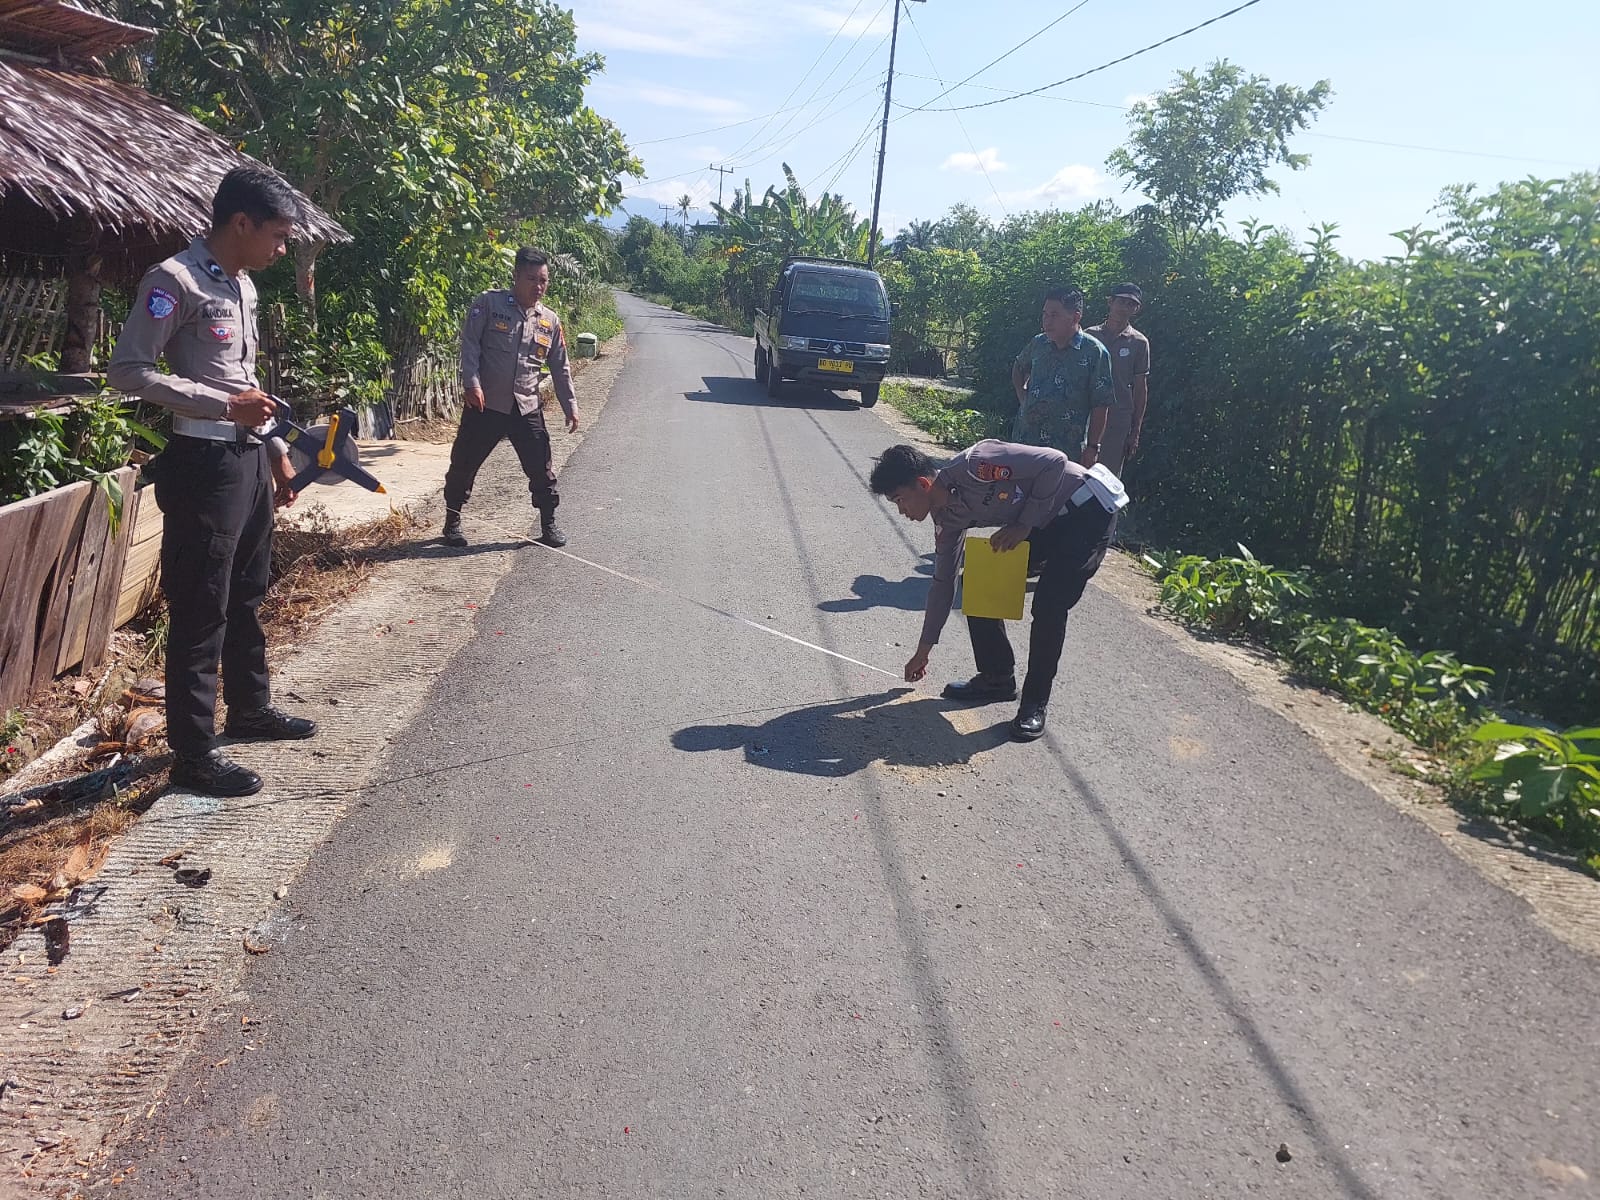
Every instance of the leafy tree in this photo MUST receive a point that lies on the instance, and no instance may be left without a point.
(918, 235)
(1213, 136)
(756, 236)
(964, 228)
(428, 127)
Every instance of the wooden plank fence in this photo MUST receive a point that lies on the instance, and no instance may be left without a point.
(61, 576)
(33, 320)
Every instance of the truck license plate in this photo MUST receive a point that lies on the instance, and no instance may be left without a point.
(835, 364)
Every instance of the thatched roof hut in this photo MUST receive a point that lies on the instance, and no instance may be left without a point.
(74, 144)
(98, 179)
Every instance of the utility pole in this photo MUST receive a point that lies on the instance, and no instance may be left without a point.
(721, 171)
(667, 208)
(883, 138)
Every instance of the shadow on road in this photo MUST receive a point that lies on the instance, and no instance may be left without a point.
(1296, 1100)
(728, 389)
(845, 736)
(874, 591)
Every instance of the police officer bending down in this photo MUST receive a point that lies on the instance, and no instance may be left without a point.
(1024, 490)
(216, 479)
(506, 338)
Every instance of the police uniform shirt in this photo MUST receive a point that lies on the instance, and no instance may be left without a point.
(203, 321)
(992, 484)
(1130, 358)
(503, 347)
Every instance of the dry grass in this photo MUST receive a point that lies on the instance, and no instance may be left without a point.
(316, 566)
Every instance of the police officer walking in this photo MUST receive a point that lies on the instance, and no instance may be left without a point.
(507, 337)
(217, 478)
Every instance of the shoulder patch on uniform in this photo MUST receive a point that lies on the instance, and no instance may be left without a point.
(161, 303)
(475, 311)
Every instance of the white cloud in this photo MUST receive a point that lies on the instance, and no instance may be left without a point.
(685, 28)
(671, 97)
(826, 19)
(705, 29)
(1135, 98)
(987, 160)
(1073, 182)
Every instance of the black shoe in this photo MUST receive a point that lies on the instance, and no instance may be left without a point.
(213, 775)
(452, 535)
(1028, 725)
(983, 689)
(551, 536)
(269, 725)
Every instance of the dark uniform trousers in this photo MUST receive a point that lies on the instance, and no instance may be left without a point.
(479, 434)
(1074, 545)
(216, 558)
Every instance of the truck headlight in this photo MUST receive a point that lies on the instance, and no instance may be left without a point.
(877, 351)
(787, 341)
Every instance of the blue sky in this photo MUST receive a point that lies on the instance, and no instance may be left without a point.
(1463, 92)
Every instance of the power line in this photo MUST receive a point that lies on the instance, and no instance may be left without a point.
(1005, 91)
(993, 61)
(1092, 70)
(799, 83)
(678, 137)
(978, 158)
(842, 59)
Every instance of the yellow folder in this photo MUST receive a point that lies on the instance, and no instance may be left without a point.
(994, 584)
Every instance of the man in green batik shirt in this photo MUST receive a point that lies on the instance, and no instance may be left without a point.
(1063, 382)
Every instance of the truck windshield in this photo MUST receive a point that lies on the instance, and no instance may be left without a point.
(848, 295)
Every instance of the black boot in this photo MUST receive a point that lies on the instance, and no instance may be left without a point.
(983, 689)
(213, 775)
(1028, 725)
(268, 725)
(452, 535)
(548, 533)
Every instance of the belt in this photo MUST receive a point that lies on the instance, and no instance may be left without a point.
(215, 431)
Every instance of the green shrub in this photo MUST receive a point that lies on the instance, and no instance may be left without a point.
(943, 414)
(1233, 595)
(1547, 780)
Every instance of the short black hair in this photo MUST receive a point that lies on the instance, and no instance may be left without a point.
(256, 191)
(529, 257)
(898, 466)
(1070, 298)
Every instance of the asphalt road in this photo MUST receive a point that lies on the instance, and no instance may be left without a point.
(658, 905)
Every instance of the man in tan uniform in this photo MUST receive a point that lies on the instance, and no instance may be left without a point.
(507, 337)
(1130, 375)
(217, 479)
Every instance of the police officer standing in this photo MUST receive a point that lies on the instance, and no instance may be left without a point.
(507, 337)
(1130, 375)
(218, 477)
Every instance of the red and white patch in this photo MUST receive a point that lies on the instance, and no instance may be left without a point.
(222, 333)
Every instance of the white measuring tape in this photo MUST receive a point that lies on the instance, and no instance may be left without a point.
(653, 586)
